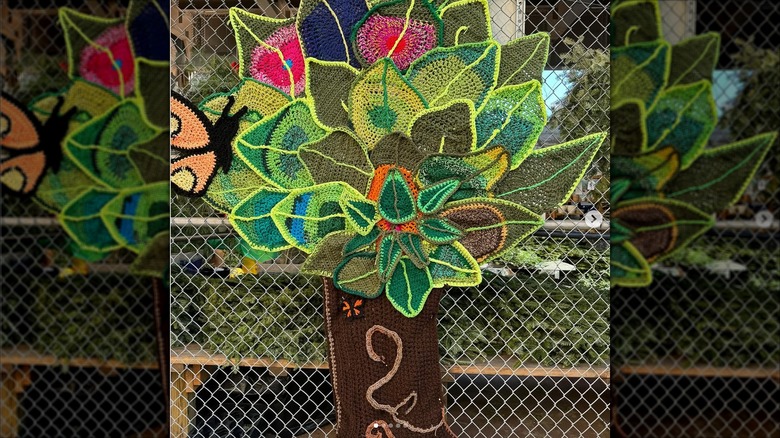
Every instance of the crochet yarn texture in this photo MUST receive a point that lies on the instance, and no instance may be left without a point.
(666, 184)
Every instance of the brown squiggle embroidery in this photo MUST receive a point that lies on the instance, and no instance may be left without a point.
(412, 397)
(376, 429)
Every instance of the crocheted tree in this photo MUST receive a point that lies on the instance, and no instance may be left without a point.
(396, 145)
(666, 186)
(101, 161)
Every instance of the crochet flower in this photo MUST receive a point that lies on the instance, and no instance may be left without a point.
(112, 67)
(280, 59)
(666, 186)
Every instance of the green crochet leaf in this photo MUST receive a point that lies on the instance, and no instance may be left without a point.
(634, 22)
(82, 220)
(261, 100)
(657, 227)
(328, 84)
(640, 72)
(228, 189)
(438, 231)
(694, 59)
(412, 246)
(251, 218)
(357, 275)
(362, 243)
(361, 214)
(90, 100)
(490, 226)
(646, 173)
(466, 21)
(307, 215)
(548, 177)
(327, 255)
(396, 149)
(466, 71)
(683, 118)
(453, 265)
(408, 288)
(251, 32)
(151, 79)
(448, 129)
(101, 147)
(154, 260)
(523, 59)
(478, 172)
(627, 125)
(627, 267)
(388, 255)
(432, 199)
(396, 200)
(338, 156)
(382, 101)
(270, 147)
(137, 214)
(514, 118)
(720, 175)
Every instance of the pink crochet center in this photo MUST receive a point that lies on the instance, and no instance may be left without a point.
(378, 35)
(95, 65)
(266, 66)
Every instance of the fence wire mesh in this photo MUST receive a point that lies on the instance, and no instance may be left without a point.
(696, 354)
(78, 354)
(525, 353)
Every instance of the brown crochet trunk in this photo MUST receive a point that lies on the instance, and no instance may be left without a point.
(385, 369)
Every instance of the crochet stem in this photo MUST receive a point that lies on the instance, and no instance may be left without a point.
(385, 368)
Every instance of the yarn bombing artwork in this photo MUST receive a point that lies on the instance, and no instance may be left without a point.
(95, 153)
(394, 142)
(666, 184)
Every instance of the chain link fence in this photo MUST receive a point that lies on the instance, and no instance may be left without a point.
(78, 353)
(524, 354)
(696, 354)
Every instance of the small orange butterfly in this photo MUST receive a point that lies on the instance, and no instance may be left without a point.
(32, 147)
(205, 147)
(352, 308)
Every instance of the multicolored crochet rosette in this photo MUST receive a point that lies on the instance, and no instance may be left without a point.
(666, 185)
(394, 143)
(106, 175)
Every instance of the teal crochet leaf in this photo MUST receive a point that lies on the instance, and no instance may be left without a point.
(412, 246)
(640, 72)
(438, 231)
(251, 218)
(432, 198)
(388, 255)
(396, 201)
(270, 147)
(307, 215)
(361, 214)
(453, 265)
(627, 266)
(683, 117)
(408, 288)
(548, 177)
(82, 221)
(362, 243)
(514, 118)
(445, 74)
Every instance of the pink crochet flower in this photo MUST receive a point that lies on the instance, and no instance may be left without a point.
(97, 67)
(378, 35)
(267, 67)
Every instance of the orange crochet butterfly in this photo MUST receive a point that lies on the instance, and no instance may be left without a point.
(32, 147)
(204, 147)
(352, 308)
